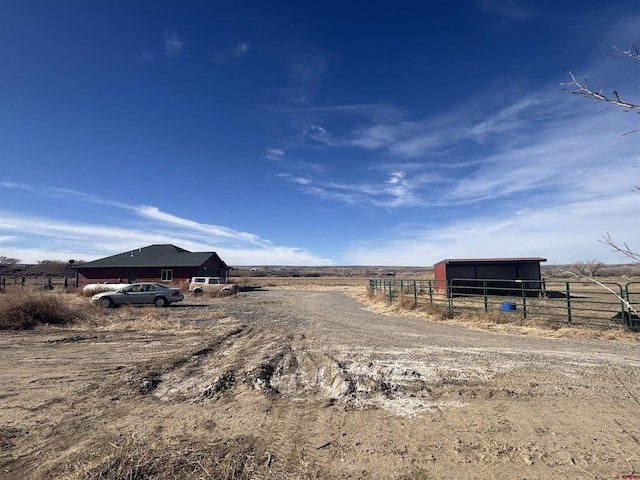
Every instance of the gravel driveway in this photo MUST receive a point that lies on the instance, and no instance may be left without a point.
(313, 385)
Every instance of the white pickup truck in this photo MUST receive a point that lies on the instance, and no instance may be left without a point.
(200, 285)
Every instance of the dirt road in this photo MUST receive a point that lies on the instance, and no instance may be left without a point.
(309, 384)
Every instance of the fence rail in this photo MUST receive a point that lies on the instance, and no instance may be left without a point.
(605, 304)
(38, 281)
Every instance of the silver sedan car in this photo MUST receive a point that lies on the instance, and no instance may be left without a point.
(157, 294)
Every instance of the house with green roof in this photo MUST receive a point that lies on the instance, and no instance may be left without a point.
(156, 263)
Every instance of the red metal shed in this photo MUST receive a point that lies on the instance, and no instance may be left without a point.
(505, 272)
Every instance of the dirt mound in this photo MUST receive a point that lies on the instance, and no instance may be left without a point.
(290, 368)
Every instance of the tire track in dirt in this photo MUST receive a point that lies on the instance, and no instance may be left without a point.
(330, 390)
(172, 377)
(322, 346)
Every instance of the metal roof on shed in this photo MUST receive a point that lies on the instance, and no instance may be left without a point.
(493, 260)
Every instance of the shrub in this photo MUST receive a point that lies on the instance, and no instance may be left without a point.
(438, 311)
(22, 309)
(405, 302)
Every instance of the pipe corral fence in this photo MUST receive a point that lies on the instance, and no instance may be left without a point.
(603, 304)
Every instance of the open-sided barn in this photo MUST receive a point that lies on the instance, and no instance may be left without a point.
(501, 276)
(155, 263)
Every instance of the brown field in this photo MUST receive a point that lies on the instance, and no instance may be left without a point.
(309, 378)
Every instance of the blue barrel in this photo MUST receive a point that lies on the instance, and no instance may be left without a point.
(508, 306)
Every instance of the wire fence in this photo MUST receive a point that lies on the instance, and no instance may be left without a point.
(604, 304)
(44, 282)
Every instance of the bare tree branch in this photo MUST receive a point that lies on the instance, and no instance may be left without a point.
(624, 249)
(581, 89)
(609, 289)
(632, 52)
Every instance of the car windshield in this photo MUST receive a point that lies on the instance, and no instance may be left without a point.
(130, 288)
(143, 288)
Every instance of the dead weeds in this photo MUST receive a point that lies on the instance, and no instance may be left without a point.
(23, 309)
(135, 458)
(499, 322)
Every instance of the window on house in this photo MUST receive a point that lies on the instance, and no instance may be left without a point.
(166, 275)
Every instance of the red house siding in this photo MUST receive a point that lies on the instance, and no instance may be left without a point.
(148, 274)
(147, 264)
(212, 268)
(121, 275)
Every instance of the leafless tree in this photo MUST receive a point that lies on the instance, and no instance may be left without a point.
(51, 267)
(589, 268)
(6, 263)
(581, 89)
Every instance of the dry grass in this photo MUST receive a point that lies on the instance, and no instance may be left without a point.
(301, 283)
(144, 318)
(400, 304)
(133, 458)
(499, 322)
(506, 323)
(403, 304)
(23, 308)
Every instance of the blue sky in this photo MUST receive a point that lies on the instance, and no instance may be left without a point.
(317, 133)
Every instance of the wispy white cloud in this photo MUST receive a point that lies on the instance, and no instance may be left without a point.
(543, 174)
(546, 144)
(562, 160)
(310, 69)
(238, 50)
(509, 119)
(294, 179)
(215, 231)
(400, 138)
(518, 9)
(148, 56)
(374, 112)
(404, 139)
(305, 75)
(174, 45)
(318, 133)
(274, 153)
(562, 234)
(38, 236)
(397, 190)
(480, 119)
(22, 186)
